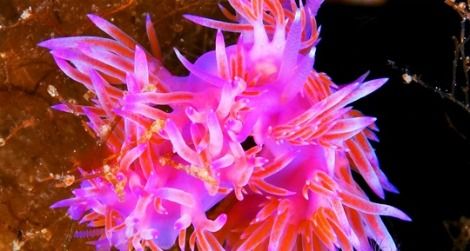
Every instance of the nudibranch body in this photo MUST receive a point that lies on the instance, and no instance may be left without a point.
(178, 143)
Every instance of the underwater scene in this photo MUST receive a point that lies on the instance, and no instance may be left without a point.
(235, 125)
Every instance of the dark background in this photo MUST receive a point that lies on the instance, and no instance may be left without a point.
(425, 147)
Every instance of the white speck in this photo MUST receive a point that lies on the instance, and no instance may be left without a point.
(16, 245)
(407, 78)
(52, 91)
(104, 130)
(106, 168)
(3, 54)
(2, 142)
(26, 13)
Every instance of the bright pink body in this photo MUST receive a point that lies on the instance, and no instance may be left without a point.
(176, 142)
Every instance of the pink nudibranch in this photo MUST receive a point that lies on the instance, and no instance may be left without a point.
(180, 162)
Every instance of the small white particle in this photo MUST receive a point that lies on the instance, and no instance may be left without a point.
(17, 245)
(106, 168)
(26, 13)
(52, 91)
(407, 78)
(104, 130)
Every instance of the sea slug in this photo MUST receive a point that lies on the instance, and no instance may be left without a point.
(177, 144)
